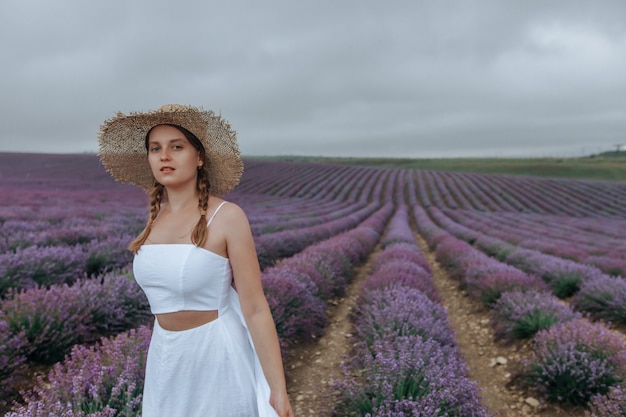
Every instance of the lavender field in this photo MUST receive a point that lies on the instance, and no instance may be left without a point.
(545, 257)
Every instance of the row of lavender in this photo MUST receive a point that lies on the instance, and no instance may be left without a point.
(599, 244)
(297, 289)
(593, 291)
(574, 361)
(565, 197)
(404, 359)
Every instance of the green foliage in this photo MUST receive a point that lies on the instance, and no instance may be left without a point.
(566, 286)
(533, 322)
(606, 166)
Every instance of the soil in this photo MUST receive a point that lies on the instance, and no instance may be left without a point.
(311, 366)
(491, 364)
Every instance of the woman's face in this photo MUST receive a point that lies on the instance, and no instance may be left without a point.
(173, 160)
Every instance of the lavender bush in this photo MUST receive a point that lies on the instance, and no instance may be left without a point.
(495, 247)
(333, 262)
(401, 273)
(408, 252)
(108, 255)
(324, 271)
(52, 320)
(562, 275)
(399, 311)
(612, 404)
(116, 302)
(519, 315)
(409, 376)
(603, 297)
(12, 347)
(45, 266)
(489, 281)
(104, 380)
(576, 360)
(298, 314)
(452, 253)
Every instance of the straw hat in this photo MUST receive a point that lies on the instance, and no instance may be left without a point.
(123, 151)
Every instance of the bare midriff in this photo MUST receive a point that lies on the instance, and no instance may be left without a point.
(185, 320)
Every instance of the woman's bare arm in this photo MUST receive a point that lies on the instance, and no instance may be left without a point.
(256, 311)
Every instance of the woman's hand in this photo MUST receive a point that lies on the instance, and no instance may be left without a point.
(281, 404)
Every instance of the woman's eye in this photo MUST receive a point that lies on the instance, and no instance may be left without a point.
(154, 149)
(177, 147)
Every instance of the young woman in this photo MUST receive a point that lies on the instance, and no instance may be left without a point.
(214, 350)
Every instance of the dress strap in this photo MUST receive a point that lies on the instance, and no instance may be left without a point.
(215, 212)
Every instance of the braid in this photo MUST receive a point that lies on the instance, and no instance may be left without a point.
(199, 234)
(156, 196)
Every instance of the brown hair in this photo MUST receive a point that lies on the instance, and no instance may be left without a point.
(158, 193)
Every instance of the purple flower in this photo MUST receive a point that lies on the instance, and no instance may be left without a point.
(101, 380)
(54, 319)
(401, 273)
(401, 251)
(298, 314)
(271, 247)
(51, 319)
(41, 266)
(399, 229)
(395, 312)
(612, 404)
(406, 376)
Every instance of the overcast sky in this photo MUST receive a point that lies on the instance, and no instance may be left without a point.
(330, 77)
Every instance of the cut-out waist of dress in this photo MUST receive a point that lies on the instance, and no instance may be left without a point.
(221, 315)
(186, 320)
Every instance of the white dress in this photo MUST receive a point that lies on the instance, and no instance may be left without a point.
(210, 370)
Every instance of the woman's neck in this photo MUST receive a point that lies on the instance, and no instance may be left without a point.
(180, 200)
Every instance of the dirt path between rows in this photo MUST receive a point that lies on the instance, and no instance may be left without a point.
(310, 367)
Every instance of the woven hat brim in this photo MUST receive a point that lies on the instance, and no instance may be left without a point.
(123, 154)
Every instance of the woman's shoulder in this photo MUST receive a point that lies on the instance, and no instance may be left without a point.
(230, 210)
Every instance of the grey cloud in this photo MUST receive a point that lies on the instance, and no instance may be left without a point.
(362, 78)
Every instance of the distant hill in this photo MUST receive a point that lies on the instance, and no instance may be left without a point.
(611, 154)
(604, 166)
